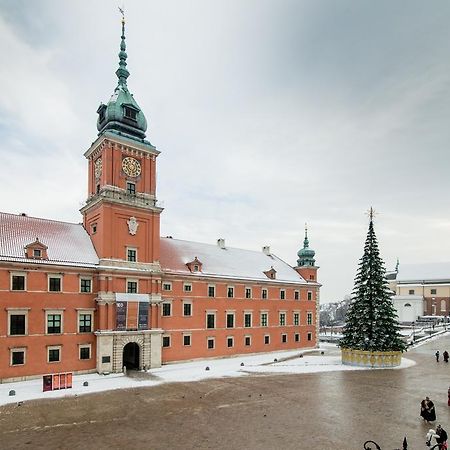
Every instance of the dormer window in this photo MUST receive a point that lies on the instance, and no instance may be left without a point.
(271, 273)
(130, 113)
(195, 266)
(101, 113)
(36, 250)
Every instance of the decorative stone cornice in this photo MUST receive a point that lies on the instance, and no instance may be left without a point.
(118, 264)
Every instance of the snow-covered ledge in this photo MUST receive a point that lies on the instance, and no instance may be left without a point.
(352, 357)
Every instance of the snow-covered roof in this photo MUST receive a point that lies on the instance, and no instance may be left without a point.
(225, 262)
(424, 272)
(68, 243)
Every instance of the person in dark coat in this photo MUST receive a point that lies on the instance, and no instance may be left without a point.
(445, 355)
(431, 412)
(448, 395)
(442, 439)
(423, 407)
(437, 356)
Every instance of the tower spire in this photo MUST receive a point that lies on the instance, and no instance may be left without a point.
(306, 254)
(306, 241)
(122, 72)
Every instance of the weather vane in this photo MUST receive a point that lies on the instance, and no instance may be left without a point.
(122, 11)
(371, 213)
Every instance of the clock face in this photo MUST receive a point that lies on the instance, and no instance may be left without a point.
(98, 167)
(131, 167)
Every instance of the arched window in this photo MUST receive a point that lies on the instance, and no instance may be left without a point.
(443, 305)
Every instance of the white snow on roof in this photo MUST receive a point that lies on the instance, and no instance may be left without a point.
(421, 272)
(66, 242)
(226, 263)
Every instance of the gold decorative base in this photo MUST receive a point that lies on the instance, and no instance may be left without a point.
(363, 358)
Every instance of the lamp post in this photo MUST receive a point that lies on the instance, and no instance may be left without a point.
(414, 331)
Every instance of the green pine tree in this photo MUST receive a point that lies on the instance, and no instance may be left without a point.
(371, 321)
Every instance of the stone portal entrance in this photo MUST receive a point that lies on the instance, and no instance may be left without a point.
(131, 356)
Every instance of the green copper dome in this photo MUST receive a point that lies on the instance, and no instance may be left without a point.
(306, 254)
(122, 114)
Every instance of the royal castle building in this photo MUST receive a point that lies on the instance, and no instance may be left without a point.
(111, 292)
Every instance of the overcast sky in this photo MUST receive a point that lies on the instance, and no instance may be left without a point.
(268, 114)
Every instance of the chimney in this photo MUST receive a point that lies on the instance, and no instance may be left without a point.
(221, 243)
(266, 250)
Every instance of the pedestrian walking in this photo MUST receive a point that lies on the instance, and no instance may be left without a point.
(440, 435)
(437, 356)
(431, 411)
(423, 407)
(448, 395)
(445, 355)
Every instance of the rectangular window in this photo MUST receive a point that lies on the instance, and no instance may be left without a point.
(282, 319)
(132, 287)
(309, 336)
(309, 318)
(186, 340)
(18, 282)
(85, 352)
(296, 320)
(411, 292)
(248, 293)
(187, 309)
(264, 319)
(106, 359)
(130, 113)
(210, 321)
(37, 253)
(167, 286)
(187, 287)
(266, 339)
(54, 284)
(131, 188)
(282, 294)
(85, 323)
(297, 337)
(284, 338)
(85, 285)
(166, 309)
(132, 255)
(17, 357)
(309, 295)
(17, 324)
(53, 323)
(230, 320)
(296, 295)
(433, 291)
(264, 294)
(247, 320)
(210, 342)
(230, 342)
(247, 341)
(230, 292)
(166, 341)
(54, 354)
(211, 291)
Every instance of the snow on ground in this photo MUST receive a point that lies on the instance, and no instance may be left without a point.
(287, 362)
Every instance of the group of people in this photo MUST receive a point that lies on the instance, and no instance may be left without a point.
(445, 355)
(428, 413)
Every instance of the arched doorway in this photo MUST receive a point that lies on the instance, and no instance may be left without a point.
(131, 356)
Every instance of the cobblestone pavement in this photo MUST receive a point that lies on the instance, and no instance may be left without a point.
(334, 410)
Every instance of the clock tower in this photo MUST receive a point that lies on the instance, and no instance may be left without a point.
(122, 217)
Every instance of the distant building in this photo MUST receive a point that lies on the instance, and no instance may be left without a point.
(421, 289)
(111, 292)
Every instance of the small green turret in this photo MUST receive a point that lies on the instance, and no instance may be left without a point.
(306, 254)
(122, 115)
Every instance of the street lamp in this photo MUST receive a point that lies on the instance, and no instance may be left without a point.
(414, 331)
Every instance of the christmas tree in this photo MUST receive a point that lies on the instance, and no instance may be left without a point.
(371, 321)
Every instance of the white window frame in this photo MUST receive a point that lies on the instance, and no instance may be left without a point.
(208, 339)
(87, 312)
(54, 312)
(86, 278)
(245, 293)
(296, 295)
(266, 291)
(167, 302)
(162, 340)
(309, 336)
(15, 350)
(233, 290)
(282, 313)
(18, 274)
(132, 248)
(214, 287)
(261, 321)
(188, 302)
(55, 275)
(247, 336)
(189, 335)
(17, 312)
(230, 313)
(285, 337)
(310, 296)
(250, 313)
(54, 347)
(80, 346)
(187, 285)
(282, 294)
(264, 340)
(212, 313)
(232, 341)
(309, 318)
(295, 337)
(132, 280)
(294, 313)
(166, 283)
